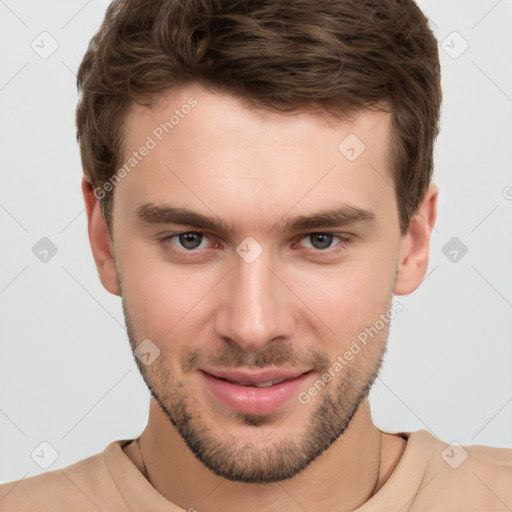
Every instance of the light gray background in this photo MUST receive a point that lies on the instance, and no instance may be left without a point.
(67, 376)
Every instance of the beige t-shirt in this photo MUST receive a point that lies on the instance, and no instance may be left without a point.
(430, 476)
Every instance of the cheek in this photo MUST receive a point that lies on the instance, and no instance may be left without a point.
(174, 304)
(166, 299)
(342, 301)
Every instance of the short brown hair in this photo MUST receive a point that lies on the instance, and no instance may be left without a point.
(345, 54)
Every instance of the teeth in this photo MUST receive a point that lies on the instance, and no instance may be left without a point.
(269, 383)
(264, 384)
(258, 385)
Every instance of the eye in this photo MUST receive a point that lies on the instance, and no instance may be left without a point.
(194, 241)
(190, 240)
(323, 241)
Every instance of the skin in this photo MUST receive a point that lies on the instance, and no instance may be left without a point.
(300, 304)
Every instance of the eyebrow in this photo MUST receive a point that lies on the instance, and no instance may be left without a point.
(151, 213)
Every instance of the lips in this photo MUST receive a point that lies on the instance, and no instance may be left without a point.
(260, 392)
(264, 378)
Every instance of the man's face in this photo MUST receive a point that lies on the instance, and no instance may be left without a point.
(261, 298)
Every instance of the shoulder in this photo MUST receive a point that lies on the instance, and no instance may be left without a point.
(468, 478)
(85, 485)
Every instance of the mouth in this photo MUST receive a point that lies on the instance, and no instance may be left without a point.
(256, 384)
(261, 392)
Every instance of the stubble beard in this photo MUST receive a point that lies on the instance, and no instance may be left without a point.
(269, 461)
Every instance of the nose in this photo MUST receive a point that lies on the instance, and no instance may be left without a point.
(255, 306)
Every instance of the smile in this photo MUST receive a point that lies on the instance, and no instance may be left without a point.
(251, 393)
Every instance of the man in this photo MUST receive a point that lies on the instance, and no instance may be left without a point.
(257, 178)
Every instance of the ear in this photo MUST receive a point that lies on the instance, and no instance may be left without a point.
(415, 244)
(99, 237)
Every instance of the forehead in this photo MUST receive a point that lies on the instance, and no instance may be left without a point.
(212, 150)
(238, 117)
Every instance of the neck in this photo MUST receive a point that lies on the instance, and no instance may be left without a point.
(344, 477)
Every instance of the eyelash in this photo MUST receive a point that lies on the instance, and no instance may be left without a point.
(344, 242)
